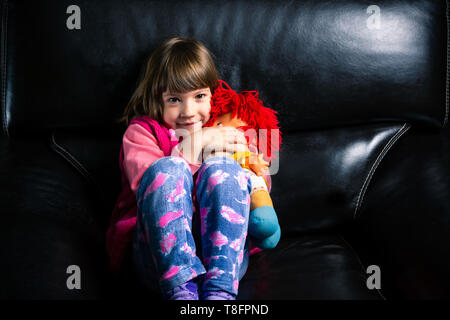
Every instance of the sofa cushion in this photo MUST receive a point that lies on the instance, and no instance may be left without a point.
(49, 222)
(311, 267)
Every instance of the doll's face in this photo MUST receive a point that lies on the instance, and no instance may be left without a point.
(189, 111)
(226, 121)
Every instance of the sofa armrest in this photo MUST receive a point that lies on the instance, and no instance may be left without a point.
(403, 225)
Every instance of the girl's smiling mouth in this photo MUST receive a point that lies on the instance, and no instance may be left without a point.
(187, 124)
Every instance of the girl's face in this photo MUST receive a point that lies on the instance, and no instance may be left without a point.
(188, 110)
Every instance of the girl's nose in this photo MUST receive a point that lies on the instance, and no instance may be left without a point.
(189, 110)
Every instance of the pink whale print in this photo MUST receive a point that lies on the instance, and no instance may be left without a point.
(187, 249)
(169, 216)
(214, 273)
(159, 180)
(178, 192)
(176, 160)
(170, 273)
(167, 243)
(241, 201)
(186, 225)
(216, 178)
(203, 215)
(218, 239)
(236, 244)
(207, 164)
(208, 260)
(240, 257)
(231, 215)
(242, 179)
(246, 202)
(193, 273)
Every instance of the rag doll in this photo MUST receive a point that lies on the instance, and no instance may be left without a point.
(245, 111)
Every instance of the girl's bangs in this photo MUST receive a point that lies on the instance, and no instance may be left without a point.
(187, 77)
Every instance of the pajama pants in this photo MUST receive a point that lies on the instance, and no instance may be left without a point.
(166, 252)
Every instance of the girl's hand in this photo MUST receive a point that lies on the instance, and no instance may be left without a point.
(257, 164)
(222, 141)
(212, 142)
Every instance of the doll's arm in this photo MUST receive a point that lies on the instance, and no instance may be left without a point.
(263, 226)
(257, 163)
(252, 161)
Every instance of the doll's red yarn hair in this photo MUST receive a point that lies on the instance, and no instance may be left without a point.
(250, 110)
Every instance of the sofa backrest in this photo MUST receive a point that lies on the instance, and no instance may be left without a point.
(347, 78)
(319, 64)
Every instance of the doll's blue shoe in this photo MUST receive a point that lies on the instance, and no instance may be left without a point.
(263, 222)
(263, 227)
(269, 242)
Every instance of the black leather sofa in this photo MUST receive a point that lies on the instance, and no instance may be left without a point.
(364, 175)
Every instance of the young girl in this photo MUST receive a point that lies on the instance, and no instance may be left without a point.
(165, 184)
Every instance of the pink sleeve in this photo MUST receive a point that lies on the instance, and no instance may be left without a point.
(140, 150)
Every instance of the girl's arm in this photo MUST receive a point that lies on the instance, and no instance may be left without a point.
(140, 150)
(212, 141)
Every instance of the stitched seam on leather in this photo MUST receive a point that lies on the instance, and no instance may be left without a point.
(4, 52)
(448, 67)
(360, 262)
(374, 167)
(72, 160)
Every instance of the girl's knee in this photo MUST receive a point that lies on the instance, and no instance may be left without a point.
(224, 167)
(219, 159)
(162, 168)
(170, 165)
(169, 162)
(223, 163)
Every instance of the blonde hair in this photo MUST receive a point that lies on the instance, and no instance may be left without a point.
(177, 65)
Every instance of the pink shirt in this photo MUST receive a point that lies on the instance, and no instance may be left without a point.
(140, 150)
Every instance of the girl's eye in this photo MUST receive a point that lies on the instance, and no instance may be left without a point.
(173, 100)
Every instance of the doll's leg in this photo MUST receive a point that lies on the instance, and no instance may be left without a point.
(223, 189)
(163, 242)
(263, 226)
